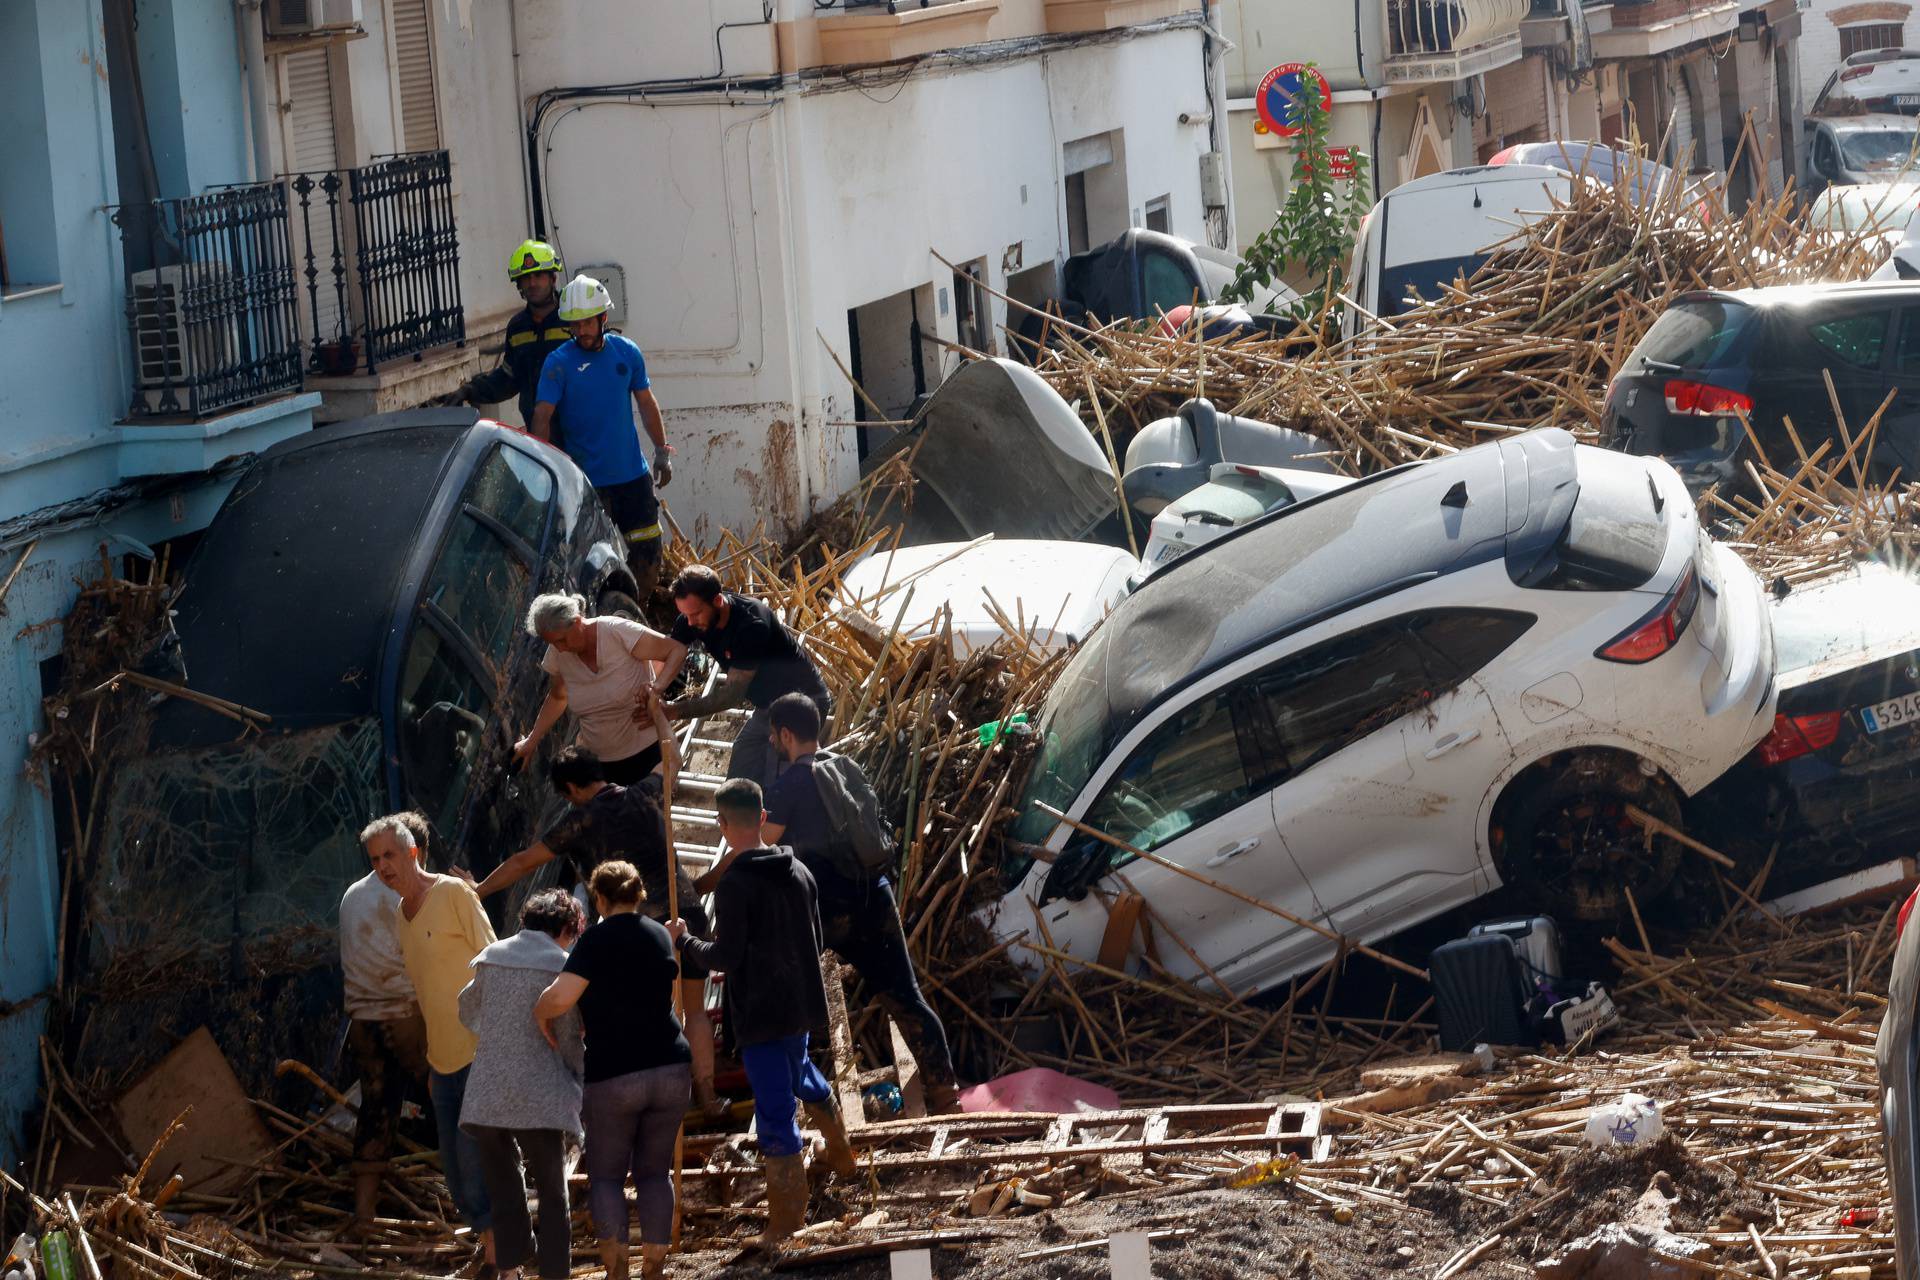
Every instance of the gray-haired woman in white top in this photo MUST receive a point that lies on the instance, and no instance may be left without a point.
(600, 668)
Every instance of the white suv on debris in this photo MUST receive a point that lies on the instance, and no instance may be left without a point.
(1386, 701)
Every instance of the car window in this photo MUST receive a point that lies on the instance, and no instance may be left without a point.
(1694, 335)
(1906, 356)
(1855, 339)
(1823, 155)
(480, 580)
(442, 712)
(1616, 532)
(1340, 691)
(1465, 640)
(515, 490)
(1164, 284)
(1188, 772)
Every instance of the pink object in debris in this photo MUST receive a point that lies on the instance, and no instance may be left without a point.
(1039, 1089)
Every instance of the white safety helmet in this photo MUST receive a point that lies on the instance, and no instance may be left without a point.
(583, 297)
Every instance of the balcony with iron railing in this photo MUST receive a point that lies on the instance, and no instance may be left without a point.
(378, 261)
(209, 301)
(1431, 41)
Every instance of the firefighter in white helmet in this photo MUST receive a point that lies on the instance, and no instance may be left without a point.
(584, 387)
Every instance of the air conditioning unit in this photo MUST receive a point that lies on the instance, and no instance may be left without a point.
(167, 351)
(299, 17)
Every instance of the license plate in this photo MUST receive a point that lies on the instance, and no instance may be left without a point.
(1906, 99)
(1893, 713)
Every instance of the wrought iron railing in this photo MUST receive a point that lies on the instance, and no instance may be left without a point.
(209, 300)
(1416, 27)
(380, 261)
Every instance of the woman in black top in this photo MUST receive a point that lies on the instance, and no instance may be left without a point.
(638, 1078)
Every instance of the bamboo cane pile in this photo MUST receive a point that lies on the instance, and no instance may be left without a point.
(1531, 339)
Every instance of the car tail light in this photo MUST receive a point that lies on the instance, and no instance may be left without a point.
(1660, 630)
(1794, 736)
(1704, 400)
(1854, 73)
(1906, 909)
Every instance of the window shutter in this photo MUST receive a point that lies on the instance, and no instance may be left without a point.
(413, 72)
(311, 144)
(312, 148)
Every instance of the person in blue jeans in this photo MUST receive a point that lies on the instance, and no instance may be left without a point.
(584, 387)
(766, 939)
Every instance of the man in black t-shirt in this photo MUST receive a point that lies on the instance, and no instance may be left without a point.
(761, 657)
(605, 822)
(859, 918)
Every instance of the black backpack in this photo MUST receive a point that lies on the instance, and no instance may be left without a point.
(859, 843)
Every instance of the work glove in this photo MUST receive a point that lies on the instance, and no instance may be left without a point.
(663, 466)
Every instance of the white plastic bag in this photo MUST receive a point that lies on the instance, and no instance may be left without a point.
(1627, 1121)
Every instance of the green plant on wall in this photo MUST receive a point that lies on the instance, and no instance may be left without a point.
(1312, 235)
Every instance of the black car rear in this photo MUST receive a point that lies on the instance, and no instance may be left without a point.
(1790, 354)
(1836, 785)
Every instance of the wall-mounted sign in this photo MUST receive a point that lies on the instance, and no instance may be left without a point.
(1281, 98)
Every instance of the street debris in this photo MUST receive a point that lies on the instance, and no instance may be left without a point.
(1736, 1096)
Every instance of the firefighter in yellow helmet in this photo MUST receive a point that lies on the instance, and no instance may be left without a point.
(532, 335)
(582, 406)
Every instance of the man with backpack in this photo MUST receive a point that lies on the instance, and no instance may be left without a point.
(824, 809)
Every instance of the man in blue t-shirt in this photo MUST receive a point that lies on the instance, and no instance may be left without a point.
(584, 387)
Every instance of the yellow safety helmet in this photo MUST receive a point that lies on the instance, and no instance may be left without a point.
(532, 256)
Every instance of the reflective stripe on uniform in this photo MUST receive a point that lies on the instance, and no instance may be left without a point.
(522, 338)
(645, 534)
(558, 335)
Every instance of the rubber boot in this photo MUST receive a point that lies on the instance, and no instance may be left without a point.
(825, 1117)
(942, 1099)
(646, 576)
(653, 1262)
(786, 1201)
(613, 1256)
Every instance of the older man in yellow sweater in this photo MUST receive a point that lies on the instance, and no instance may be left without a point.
(441, 928)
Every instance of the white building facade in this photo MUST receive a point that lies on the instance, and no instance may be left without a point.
(783, 197)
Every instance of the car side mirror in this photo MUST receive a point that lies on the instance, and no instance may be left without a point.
(1077, 869)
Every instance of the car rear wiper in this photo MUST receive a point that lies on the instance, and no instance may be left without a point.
(1653, 487)
(1660, 366)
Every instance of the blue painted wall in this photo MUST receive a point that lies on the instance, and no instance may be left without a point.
(64, 385)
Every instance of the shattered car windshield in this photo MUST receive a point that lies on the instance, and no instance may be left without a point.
(1074, 734)
(1876, 148)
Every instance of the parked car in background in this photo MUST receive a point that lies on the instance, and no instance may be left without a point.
(1716, 355)
(1386, 701)
(364, 585)
(1836, 785)
(1880, 79)
(1425, 234)
(1866, 208)
(1843, 150)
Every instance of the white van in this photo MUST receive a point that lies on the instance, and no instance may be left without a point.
(1424, 234)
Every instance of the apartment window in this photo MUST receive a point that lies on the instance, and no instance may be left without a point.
(1160, 215)
(27, 241)
(417, 104)
(1869, 35)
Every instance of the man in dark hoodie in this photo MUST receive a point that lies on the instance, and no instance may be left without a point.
(766, 939)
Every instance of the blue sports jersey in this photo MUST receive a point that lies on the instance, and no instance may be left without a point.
(592, 397)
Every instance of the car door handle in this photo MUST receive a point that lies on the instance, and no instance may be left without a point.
(1451, 741)
(1233, 851)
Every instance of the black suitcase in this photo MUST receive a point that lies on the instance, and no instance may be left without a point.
(1476, 986)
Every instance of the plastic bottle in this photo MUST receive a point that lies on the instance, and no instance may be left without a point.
(1015, 726)
(56, 1256)
(19, 1260)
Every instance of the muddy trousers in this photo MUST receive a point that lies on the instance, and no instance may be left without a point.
(387, 1055)
(502, 1152)
(631, 1122)
(868, 936)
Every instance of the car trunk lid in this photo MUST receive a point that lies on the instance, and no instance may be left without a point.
(1683, 377)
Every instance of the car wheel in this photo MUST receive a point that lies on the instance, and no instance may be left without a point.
(1569, 845)
(620, 605)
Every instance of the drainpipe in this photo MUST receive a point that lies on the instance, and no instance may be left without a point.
(253, 57)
